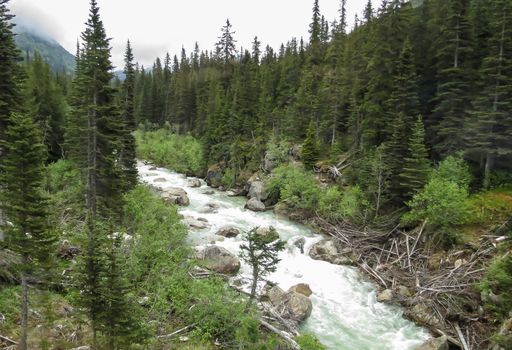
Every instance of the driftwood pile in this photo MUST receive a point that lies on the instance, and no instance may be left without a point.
(442, 294)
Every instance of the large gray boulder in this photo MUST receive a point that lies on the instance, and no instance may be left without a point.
(327, 250)
(255, 205)
(268, 232)
(197, 224)
(219, 259)
(440, 343)
(175, 195)
(291, 305)
(228, 232)
(257, 190)
(194, 183)
(214, 175)
(269, 162)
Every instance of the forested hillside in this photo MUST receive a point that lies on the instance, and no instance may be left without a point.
(393, 138)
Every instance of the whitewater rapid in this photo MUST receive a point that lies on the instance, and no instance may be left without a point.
(346, 315)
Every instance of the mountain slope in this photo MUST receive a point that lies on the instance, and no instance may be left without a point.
(51, 51)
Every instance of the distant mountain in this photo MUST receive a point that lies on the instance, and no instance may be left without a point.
(51, 51)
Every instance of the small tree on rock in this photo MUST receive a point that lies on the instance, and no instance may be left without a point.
(261, 253)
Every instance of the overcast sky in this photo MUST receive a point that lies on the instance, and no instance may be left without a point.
(158, 26)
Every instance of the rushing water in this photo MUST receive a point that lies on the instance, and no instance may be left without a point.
(345, 314)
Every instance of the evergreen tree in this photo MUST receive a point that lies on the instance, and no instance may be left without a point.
(47, 105)
(10, 94)
(22, 200)
(127, 155)
(455, 75)
(261, 253)
(490, 127)
(309, 153)
(416, 167)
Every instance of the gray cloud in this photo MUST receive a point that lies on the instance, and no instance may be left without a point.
(32, 20)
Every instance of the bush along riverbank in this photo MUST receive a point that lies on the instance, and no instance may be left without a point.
(444, 255)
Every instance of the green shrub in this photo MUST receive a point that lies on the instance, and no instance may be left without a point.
(294, 186)
(309, 342)
(454, 170)
(498, 280)
(442, 203)
(277, 150)
(183, 154)
(354, 205)
(329, 203)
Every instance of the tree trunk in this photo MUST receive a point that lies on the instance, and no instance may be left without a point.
(24, 310)
(489, 160)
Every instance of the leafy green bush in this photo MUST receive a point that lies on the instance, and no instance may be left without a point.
(183, 154)
(454, 170)
(498, 280)
(329, 203)
(294, 186)
(309, 342)
(277, 150)
(442, 203)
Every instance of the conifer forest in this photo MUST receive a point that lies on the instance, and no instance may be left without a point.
(347, 190)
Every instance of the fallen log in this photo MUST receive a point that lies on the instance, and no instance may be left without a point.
(293, 344)
(8, 340)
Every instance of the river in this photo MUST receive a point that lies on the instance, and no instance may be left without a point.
(346, 315)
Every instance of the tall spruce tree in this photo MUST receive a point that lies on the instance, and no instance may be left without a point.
(23, 202)
(309, 152)
(10, 93)
(127, 154)
(490, 125)
(416, 167)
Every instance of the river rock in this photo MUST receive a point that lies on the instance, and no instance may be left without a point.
(152, 168)
(423, 316)
(299, 243)
(175, 195)
(196, 224)
(403, 291)
(326, 250)
(269, 232)
(160, 179)
(440, 343)
(257, 190)
(214, 175)
(301, 288)
(385, 296)
(255, 205)
(236, 192)
(209, 192)
(291, 305)
(194, 183)
(202, 219)
(210, 208)
(219, 259)
(228, 232)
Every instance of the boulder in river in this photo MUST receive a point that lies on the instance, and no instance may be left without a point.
(269, 232)
(257, 190)
(194, 183)
(214, 175)
(299, 243)
(301, 288)
(175, 195)
(210, 208)
(228, 232)
(196, 223)
(385, 296)
(209, 192)
(255, 205)
(291, 305)
(219, 259)
(422, 315)
(440, 343)
(152, 168)
(327, 250)
(160, 179)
